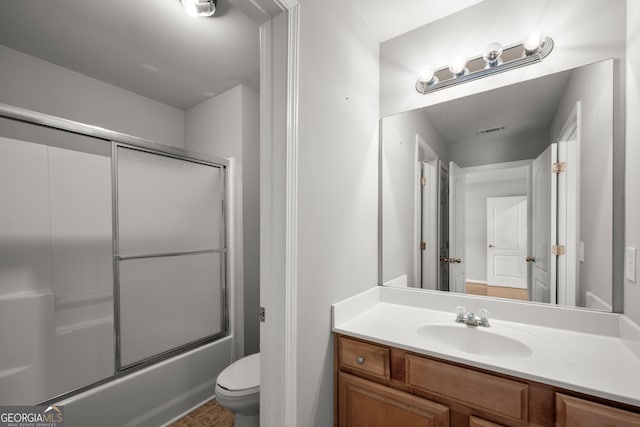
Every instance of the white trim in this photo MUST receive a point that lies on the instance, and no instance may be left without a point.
(291, 224)
(480, 282)
(279, 49)
(235, 284)
(594, 302)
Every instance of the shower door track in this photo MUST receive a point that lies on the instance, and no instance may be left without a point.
(47, 120)
(118, 139)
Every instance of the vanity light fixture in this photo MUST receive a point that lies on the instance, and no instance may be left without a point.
(495, 59)
(204, 8)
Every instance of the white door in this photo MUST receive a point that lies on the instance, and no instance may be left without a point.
(507, 241)
(543, 283)
(429, 226)
(457, 182)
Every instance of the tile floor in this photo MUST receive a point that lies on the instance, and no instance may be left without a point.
(208, 415)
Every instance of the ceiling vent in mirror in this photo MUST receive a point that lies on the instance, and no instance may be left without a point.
(203, 8)
(491, 130)
(495, 59)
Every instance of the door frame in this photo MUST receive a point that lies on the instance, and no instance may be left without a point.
(568, 202)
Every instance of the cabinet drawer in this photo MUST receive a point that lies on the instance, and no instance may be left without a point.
(364, 357)
(574, 412)
(502, 397)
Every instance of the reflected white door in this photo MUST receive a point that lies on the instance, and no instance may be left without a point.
(507, 241)
(543, 283)
(457, 182)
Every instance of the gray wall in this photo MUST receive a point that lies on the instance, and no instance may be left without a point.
(228, 126)
(593, 87)
(31, 83)
(398, 187)
(476, 219)
(337, 187)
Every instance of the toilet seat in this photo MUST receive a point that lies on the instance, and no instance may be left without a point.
(241, 378)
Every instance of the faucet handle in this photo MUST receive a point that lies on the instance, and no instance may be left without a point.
(484, 317)
(460, 313)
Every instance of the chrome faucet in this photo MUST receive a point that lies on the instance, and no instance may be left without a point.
(470, 319)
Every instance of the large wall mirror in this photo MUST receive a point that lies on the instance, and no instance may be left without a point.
(505, 193)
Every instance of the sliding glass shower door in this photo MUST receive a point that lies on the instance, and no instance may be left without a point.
(112, 257)
(170, 252)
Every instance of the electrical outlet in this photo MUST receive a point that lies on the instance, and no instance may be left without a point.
(630, 264)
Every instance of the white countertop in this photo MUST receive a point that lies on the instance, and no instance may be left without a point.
(585, 351)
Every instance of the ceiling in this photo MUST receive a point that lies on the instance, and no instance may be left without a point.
(525, 107)
(149, 47)
(153, 48)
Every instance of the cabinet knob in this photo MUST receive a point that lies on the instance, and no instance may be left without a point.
(360, 360)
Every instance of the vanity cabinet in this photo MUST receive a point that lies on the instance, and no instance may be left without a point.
(379, 385)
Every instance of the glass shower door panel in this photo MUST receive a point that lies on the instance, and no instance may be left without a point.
(168, 302)
(56, 282)
(167, 205)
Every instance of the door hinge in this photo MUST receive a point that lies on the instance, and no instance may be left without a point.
(261, 314)
(423, 181)
(423, 246)
(558, 250)
(559, 167)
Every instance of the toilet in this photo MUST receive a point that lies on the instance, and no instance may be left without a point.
(238, 390)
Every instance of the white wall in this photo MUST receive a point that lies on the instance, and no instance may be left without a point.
(398, 190)
(227, 126)
(593, 87)
(570, 23)
(476, 194)
(632, 181)
(337, 187)
(41, 86)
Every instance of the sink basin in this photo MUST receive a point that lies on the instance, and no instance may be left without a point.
(475, 340)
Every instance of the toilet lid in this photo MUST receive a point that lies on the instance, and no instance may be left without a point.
(243, 374)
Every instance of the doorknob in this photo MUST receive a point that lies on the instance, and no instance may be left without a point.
(530, 259)
(490, 246)
(445, 260)
(456, 260)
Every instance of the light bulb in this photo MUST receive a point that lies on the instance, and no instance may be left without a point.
(190, 7)
(532, 43)
(458, 67)
(426, 78)
(426, 75)
(492, 55)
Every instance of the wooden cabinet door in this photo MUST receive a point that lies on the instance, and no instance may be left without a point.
(363, 403)
(574, 412)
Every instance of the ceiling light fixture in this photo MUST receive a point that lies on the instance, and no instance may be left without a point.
(197, 8)
(495, 59)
